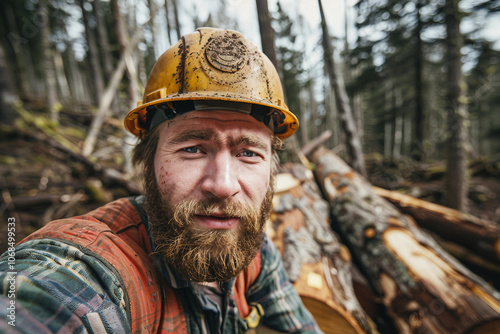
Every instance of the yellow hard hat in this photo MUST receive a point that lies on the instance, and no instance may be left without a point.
(212, 69)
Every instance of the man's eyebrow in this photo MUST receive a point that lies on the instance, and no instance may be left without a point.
(209, 135)
(250, 141)
(192, 135)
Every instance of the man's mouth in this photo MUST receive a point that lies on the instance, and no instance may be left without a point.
(216, 221)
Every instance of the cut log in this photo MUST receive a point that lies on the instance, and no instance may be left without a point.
(478, 235)
(315, 261)
(423, 288)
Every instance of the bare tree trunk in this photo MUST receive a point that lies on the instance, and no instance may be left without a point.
(62, 81)
(169, 25)
(24, 82)
(176, 17)
(355, 100)
(8, 94)
(103, 39)
(313, 110)
(390, 123)
(48, 67)
(456, 176)
(342, 100)
(152, 27)
(78, 89)
(104, 48)
(417, 148)
(132, 79)
(303, 120)
(266, 31)
(398, 123)
(95, 67)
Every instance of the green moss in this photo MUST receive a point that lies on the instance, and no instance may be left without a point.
(6, 160)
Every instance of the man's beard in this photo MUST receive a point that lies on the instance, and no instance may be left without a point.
(200, 254)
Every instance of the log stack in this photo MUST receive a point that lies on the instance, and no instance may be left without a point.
(421, 286)
(316, 262)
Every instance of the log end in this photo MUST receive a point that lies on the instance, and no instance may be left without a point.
(330, 320)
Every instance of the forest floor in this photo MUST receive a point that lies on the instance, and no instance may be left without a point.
(39, 182)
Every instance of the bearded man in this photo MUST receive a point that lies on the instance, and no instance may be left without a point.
(190, 256)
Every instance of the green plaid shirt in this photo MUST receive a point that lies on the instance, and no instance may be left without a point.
(60, 288)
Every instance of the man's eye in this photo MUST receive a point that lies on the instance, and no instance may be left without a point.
(192, 149)
(248, 154)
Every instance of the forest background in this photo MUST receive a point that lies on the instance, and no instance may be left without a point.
(398, 84)
(405, 91)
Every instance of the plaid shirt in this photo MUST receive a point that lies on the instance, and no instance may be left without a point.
(60, 288)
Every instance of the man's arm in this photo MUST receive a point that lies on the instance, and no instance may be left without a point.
(283, 308)
(59, 288)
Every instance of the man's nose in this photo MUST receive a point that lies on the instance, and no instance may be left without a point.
(220, 179)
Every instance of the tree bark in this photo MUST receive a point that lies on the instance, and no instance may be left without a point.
(266, 31)
(456, 175)
(342, 100)
(62, 81)
(169, 25)
(355, 101)
(417, 148)
(79, 90)
(8, 95)
(315, 261)
(424, 289)
(93, 56)
(152, 27)
(48, 64)
(176, 18)
(103, 39)
(25, 81)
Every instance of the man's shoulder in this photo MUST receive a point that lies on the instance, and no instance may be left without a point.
(117, 217)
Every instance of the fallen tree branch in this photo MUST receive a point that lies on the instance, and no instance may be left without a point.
(315, 143)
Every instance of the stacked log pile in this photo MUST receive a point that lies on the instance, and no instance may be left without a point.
(315, 261)
(422, 287)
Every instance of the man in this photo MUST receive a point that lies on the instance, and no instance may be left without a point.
(190, 256)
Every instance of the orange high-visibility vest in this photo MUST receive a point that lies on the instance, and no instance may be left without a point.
(115, 234)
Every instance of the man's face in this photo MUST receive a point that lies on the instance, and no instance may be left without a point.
(210, 193)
